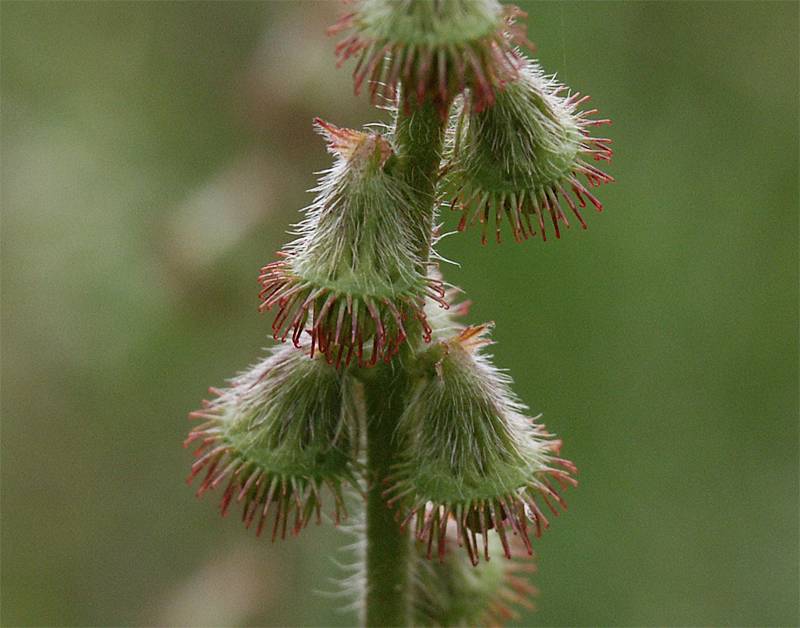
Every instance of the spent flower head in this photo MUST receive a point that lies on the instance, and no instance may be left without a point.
(471, 454)
(452, 591)
(353, 279)
(277, 437)
(520, 160)
(434, 48)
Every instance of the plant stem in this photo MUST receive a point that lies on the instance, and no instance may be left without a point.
(419, 137)
(388, 597)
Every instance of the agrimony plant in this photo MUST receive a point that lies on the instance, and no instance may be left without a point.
(379, 391)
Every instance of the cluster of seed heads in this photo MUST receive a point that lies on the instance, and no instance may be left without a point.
(361, 287)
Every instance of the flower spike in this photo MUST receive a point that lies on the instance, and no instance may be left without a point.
(449, 451)
(276, 438)
(520, 161)
(472, 456)
(353, 280)
(432, 47)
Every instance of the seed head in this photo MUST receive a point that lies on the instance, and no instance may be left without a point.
(279, 434)
(352, 279)
(453, 592)
(472, 455)
(523, 157)
(434, 48)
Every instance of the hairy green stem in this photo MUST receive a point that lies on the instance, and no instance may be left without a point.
(419, 137)
(388, 597)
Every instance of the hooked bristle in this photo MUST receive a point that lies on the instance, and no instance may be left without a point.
(346, 328)
(349, 143)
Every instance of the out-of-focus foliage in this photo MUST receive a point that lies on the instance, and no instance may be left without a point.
(153, 156)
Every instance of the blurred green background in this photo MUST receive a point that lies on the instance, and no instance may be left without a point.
(153, 157)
